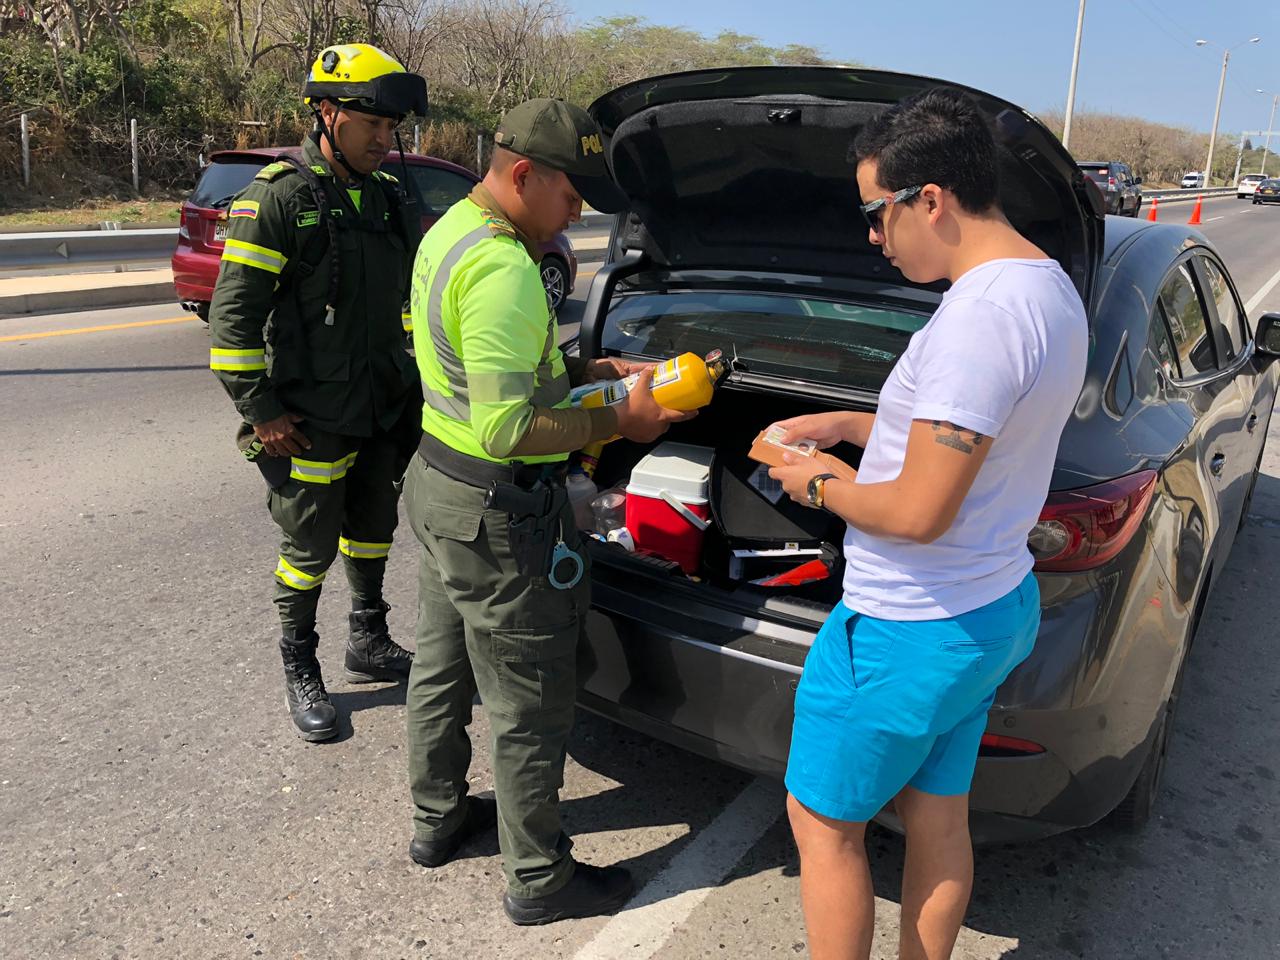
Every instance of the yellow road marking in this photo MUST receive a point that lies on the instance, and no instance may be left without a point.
(111, 326)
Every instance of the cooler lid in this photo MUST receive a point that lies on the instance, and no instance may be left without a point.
(682, 469)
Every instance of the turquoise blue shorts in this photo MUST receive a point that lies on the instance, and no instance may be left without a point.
(885, 704)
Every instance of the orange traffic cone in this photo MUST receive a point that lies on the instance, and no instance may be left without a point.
(1195, 214)
(1155, 202)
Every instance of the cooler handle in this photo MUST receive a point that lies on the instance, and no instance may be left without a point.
(683, 510)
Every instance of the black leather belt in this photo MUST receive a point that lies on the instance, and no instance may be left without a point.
(481, 473)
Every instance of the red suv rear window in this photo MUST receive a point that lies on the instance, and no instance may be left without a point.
(222, 180)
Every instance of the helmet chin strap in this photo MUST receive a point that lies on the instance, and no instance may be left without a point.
(327, 130)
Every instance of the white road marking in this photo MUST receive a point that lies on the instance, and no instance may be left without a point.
(1258, 297)
(665, 902)
(1211, 219)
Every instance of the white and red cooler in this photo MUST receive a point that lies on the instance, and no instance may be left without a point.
(668, 505)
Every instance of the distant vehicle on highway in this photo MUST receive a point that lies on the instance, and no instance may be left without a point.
(439, 184)
(1268, 191)
(1153, 477)
(1247, 184)
(1121, 190)
(1192, 180)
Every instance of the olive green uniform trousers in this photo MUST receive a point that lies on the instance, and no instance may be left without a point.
(482, 626)
(340, 497)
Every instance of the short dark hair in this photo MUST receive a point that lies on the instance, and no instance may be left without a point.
(938, 136)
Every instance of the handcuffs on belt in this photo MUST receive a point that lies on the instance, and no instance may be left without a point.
(531, 514)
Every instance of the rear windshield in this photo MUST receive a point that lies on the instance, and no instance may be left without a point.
(222, 180)
(1097, 174)
(818, 341)
(1253, 178)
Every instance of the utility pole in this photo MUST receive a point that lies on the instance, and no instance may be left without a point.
(1071, 88)
(1270, 123)
(1217, 110)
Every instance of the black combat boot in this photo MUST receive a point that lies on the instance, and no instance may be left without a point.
(304, 691)
(371, 653)
(481, 817)
(590, 892)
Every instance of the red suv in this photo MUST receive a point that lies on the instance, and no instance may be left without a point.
(439, 184)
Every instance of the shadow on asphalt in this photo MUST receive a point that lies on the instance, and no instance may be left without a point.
(350, 702)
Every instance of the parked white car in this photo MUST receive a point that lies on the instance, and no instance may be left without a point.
(1247, 184)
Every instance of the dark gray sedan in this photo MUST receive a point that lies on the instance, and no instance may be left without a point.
(743, 235)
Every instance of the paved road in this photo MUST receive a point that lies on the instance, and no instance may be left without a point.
(155, 803)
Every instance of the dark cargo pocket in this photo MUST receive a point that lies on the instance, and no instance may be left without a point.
(536, 670)
(453, 523)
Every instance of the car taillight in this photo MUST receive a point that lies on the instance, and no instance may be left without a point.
(183, 232)
(1082, 529)
(1111, 181)
(995, 745)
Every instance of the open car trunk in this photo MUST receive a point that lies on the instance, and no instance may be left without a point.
(749, 170)
(743, 517)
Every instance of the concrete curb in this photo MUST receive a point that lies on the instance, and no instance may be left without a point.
(63, 301)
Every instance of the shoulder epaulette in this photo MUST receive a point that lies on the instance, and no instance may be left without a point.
(499, 226)
(383, 175)
(273, 170)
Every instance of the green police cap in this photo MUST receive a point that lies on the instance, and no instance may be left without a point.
(563, 137)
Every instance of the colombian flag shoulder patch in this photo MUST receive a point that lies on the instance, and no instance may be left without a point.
(244, 208)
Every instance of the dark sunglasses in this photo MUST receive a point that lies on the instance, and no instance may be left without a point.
(874, 211)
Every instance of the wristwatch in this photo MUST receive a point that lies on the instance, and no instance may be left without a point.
(818, 490)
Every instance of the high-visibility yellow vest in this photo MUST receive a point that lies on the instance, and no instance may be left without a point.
(484, 335)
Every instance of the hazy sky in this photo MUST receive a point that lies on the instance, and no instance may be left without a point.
(1138, 57)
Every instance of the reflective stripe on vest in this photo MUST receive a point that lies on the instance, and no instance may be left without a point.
(458, 406)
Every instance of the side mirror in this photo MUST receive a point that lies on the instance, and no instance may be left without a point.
(1137, 181)
(1266, 343)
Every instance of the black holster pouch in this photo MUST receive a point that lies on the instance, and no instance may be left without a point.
(274, 470)
(533, 521)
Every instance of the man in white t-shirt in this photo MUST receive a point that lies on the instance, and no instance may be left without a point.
(939, 601)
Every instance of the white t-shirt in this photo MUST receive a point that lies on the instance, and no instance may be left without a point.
(1004, 355)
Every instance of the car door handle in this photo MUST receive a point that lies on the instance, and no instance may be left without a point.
(1217, 463)
(1252, 423)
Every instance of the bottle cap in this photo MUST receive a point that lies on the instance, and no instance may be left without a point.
(622, 537)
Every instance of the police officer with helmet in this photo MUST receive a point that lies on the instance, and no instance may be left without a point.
(308, 341)
(503, 582)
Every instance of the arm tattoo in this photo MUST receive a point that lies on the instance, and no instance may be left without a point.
(949, 435)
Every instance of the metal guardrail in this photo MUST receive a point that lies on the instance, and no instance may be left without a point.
(108, 247)
(46, 248)
(43, 247)
(1191, 194)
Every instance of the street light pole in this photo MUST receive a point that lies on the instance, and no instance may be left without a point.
(1071, 87)
(1217, 110)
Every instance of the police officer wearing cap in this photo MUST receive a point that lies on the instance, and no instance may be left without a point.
(503, 585)
(308, 340)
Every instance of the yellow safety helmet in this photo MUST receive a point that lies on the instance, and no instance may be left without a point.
(362, 77)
